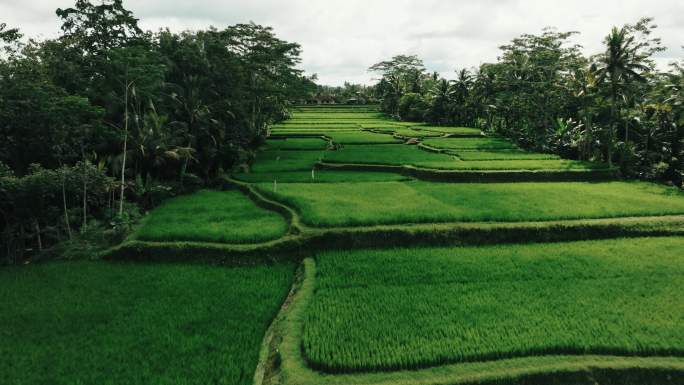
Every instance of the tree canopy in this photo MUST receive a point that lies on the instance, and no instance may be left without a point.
(150, 112)
(545, 94)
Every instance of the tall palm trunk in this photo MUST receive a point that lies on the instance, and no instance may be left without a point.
(85, 195)
(64, 204)
(39, 238)
(613, 118)
(125, 143)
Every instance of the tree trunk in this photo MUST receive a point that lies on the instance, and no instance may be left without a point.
(39, 239)
(611, 130)
(66, 212)
(586, 150)
(85, 197)
(184, 167)
(125, 143)
(22, 242)
(626, 131)
(8, 246)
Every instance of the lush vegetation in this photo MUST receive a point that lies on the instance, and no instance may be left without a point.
(399, 155)
(451, 130)
(110, 137)
(275, 161)
(211, 216)
(546, 95)
(96, 322)
(410, 308)
(501, 155)
(127, 115)
(394, 154)
(319, 176)
(470, 143)
(422, 202)
(297, 144)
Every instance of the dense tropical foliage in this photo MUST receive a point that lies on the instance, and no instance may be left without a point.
(544, 94)
(107, 113)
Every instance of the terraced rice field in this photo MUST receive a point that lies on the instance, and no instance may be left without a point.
(122, 323)
(297, 144)
(412, 308)
(501, 155)
(278, 161)
(380, 203)
(401, 155)
(470, 143)
(212, 216)
(330, 189)
(451, 314)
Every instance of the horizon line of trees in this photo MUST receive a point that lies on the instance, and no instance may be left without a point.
(546, 95)
(348, 93)
(107, 113)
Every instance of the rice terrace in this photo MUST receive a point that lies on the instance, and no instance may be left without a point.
(193, 208)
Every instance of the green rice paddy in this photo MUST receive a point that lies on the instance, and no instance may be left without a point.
(412, 308)
(138, 324)
(376, 203)
(368, 316)
(212, 216)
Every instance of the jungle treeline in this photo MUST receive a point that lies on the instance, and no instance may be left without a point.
(107, 113)
(546, 95)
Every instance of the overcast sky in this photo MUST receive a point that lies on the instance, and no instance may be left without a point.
(342, 38)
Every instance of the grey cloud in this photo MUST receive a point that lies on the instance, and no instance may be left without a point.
(342, 38)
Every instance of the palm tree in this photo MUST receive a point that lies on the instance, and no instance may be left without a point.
(621, 64)
(483, 93)
(462, 87)
(442, 95)
(582, 86)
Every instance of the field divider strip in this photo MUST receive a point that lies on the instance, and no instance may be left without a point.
(427, 148)
(291, 216)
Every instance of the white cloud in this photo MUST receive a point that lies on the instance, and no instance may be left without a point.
(342, 38)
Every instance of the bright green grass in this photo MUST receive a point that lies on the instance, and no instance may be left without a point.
(411, 308)
(115, 323)
(453, 130)
(336, 108)
(314, 127)
(503, 155)
(410, 124)
(384, 130)
(398, 155)
(324, 113)
(312, 133)
(334, 123)
(470, 143)
(212, 216)
(338, 204)
(522, 164)
(297, 144)
(381, 125)
(321, 176)
(343, 136)
(361, 137)
(395, 155)
(277, 161)
(328, 122)
(338, 115)
(411, 133)
(331, 122)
